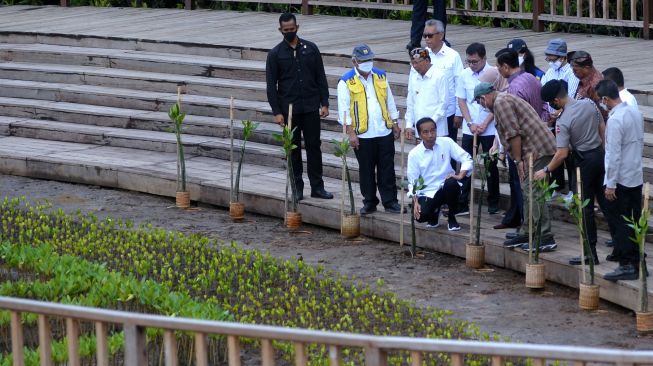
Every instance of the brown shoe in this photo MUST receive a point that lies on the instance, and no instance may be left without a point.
(503, 226)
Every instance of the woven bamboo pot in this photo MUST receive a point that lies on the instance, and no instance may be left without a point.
(588, 298)
(293, 220)
(535, 275)
(475, 255)
(236, 211)
(644, 322)
(182, 199)
(350, 227)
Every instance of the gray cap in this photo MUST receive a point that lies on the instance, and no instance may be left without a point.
(362, 52)
(482, 89)
(556, 47)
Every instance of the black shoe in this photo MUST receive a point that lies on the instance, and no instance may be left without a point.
(609, 243)
(394, 208)
(321, 193)
(463, 211)
(453, 224)
(515, 242)
(575, 261)
(492, 210)
(366, 210)
(612, 258)
(626, 272)
(512, 235)
(300, 195)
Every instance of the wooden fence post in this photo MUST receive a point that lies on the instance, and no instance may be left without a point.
(538, 9)
(648, 17)
(63, 3)
(306, 8)
(135, 345)
(188, 4)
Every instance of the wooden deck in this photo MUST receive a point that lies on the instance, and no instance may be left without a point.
(334, 35)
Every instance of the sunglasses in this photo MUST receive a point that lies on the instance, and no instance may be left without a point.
(429, 35)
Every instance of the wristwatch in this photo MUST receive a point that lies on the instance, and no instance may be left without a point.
(546, 169)
(516, 161)
(469, 124)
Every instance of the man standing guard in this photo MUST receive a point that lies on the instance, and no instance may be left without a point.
(522, 133)
(581, 127)
(368, 107)
(623, 176)
(295, 75)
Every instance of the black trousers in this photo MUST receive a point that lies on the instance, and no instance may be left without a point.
(419, 18)
(493, 179)
(449, 194)
(376, 164)
(308, 125)
(592, 172)
(515, 214)
(629, 204)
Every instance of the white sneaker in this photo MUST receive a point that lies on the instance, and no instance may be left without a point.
(433, 226)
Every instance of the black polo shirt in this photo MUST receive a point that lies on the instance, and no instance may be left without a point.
(296, 75)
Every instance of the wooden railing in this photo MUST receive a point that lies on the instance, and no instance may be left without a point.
(376, 347)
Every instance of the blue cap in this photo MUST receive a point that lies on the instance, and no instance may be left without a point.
(362, 52)
(556, 47)
(517, 44)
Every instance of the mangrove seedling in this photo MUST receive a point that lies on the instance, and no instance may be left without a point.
(417, 186)
(287, 146)
(177, 117)
(248, 130)
(341, 149)
(640, 229)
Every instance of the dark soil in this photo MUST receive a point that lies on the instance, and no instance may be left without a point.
(494, 299)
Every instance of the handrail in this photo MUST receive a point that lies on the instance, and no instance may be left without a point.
(135, 323)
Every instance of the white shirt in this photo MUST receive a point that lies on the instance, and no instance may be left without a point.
(427, 97)
(467, 81)
(628, 98)
(624, 144)
(448, 60)
(376, 126)
(435, 165)
(563, 73)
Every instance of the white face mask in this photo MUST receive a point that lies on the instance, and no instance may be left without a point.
(521, 60)
(604, 106)
(555, 65)
(366, 67)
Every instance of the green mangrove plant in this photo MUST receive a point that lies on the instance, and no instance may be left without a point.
(248, 130)
(287, 146)
(483, 162)
(417, 186)
(640, 229)
(177, 117)
(575, 206)
(544, 191)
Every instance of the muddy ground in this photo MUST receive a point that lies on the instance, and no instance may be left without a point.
(497, 301)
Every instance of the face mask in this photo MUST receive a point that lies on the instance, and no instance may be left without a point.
(289, 36)
(521, 60)
(366, 67)
(555, 64)
(604, 106)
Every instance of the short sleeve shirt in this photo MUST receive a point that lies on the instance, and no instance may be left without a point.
(578, 126)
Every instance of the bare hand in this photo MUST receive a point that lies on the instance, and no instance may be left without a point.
(610, 194)
(353, 140)
(409, 133)
(481, 128)
(458, 121)
(324, 111)
(396, 131)
(473, 129)
(539, 175)
(417, 210)
(278, 119)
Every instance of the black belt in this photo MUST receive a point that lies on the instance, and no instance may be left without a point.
(580, 155)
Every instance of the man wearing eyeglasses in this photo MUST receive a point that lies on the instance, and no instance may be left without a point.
(447, 61)
(477, 121)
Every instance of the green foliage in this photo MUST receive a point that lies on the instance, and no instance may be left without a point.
(341, 149)
(575, 207)
(543, 191)
(287, 146)
(248, 130)
(177, 117)
(253, 286)
(416, 186)
(640, 229)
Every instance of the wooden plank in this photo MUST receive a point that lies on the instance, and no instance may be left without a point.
(633, 9)
(647, 7)
(521, 6)
(301, 357)
(72, 333)
(457, 359)
(506, 5)
(375, 356)
(267, 353)
(620, 9)
(17, 340)
(579, 8)
(334, 356)
(565, 7)
(554, 7)
(170, 348)
(468, 5)
(606, 9)
(45, 341)
(135, 345)
(416, 358)
(592, 9)
(102, 344)
(201, 350)
(497, 361)
(233, 350)
(494, 5)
